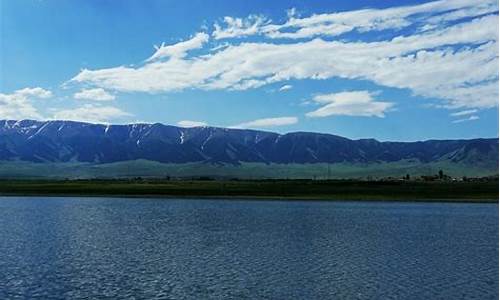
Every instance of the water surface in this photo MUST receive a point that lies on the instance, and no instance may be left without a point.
(107, 248)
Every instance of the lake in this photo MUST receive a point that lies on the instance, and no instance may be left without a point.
(110, 248)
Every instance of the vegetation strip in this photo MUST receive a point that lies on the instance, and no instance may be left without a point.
(285, 189)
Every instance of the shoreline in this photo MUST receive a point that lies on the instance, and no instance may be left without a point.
(262, 198)
(285, 190)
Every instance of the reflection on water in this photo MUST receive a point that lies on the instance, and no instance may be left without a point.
(78, 248)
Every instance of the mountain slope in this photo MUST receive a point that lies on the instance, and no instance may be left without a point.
(77, 142)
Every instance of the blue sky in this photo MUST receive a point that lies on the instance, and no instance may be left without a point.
(392, 70)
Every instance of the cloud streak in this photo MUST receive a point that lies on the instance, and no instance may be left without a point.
(464, 113)
(189, 123)
(426, 15)
(439, 60)
(355, 103)
(471, 118)
(286, 87)
(180, 49)
(268, 122)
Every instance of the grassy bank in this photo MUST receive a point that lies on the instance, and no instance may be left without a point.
(293, 189)
(248, 171)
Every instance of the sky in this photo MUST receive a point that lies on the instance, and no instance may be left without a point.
(390, 70)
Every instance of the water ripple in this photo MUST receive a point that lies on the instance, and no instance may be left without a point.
(102, 248)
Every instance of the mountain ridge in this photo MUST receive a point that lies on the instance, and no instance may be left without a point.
(10, 121)
(71, 141)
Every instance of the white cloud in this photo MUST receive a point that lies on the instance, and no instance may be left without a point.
(189, 123)
(464, 113)
(292, 12)
(34, 92)
(91, 113)
(471, 118)
(18, 105)
(441, 62)
(364, 20)
(97, 94)
(470, 9)
(285, 87)
(356, 103)
(337, 23)
(180, 49)
(238, 27)
(268, 122)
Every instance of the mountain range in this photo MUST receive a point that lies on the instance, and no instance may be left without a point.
(67, 142)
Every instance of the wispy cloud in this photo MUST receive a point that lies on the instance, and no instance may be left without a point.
(471, 118)
(268, 122)
(97, 94)
(238, 27)
(464, 113)
(189, 123)
(364, 20)
(285, 87)
(438, 62)
(18, 105)
(355, 103)
(180, 49)
(91, 113)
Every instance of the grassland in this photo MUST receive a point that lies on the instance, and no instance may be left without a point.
(290, 189)
(249, 171)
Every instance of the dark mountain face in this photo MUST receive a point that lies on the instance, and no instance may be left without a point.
(64, 141)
